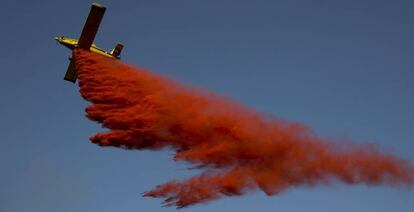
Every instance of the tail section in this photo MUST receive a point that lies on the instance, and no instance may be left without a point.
(116, 52)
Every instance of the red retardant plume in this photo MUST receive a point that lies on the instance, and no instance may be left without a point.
(237, 149)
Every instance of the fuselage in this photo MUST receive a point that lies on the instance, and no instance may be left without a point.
(71, 44)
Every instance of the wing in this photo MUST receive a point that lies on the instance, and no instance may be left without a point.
(91, 26)
(71, 73)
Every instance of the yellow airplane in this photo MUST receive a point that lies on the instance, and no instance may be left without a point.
(86, 40)
(73, 43)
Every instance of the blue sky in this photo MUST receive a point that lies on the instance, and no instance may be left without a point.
(344, 68)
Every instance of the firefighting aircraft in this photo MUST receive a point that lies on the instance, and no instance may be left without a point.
(86, 40)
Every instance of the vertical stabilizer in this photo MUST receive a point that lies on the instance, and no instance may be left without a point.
(116, 52)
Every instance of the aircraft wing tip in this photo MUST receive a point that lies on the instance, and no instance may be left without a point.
(100, 6)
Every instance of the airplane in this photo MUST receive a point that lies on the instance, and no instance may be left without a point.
(86, 40)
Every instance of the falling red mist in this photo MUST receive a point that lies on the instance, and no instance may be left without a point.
(237, 149)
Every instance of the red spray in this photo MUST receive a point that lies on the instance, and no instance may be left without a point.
(237, 148)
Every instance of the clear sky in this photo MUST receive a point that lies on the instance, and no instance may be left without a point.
(344, 68)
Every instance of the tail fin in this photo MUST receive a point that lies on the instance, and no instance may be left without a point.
(116, 52)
